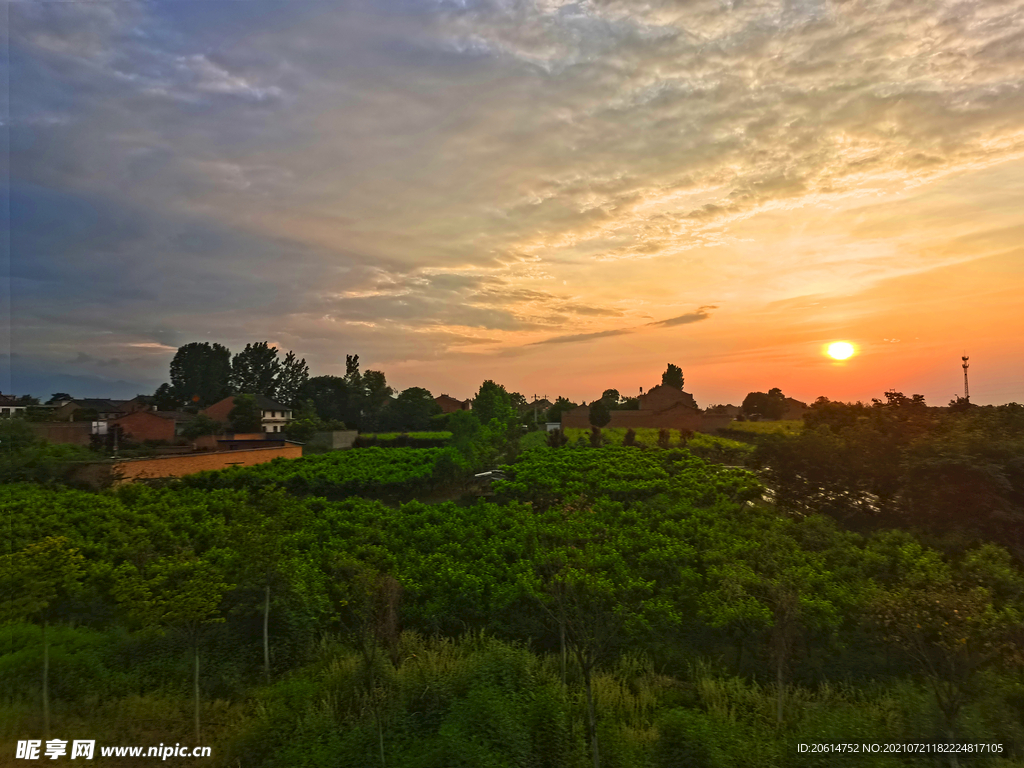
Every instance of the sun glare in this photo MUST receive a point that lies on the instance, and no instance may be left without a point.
(840, 350)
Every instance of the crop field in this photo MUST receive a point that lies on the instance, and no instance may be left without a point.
(640, 603)
(786, 427)
(711, 447)
(337, 474)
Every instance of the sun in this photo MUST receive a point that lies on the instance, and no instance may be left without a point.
(840, 350)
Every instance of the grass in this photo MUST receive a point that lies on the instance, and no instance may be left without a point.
(413, 435)
(790, 427)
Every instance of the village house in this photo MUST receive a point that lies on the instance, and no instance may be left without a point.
(9, 406)
(274, 415)
(451, 405)
(147, 424)
(102, 407)
(662, 407)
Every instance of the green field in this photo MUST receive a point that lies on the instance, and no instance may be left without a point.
(790, 427)
(639, 603)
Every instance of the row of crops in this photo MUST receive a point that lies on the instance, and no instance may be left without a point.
(367, 471)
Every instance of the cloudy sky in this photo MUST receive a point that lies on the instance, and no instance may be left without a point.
(560, 196)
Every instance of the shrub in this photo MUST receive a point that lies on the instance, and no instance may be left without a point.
(664, 438)
(630, 437)
(596, 439)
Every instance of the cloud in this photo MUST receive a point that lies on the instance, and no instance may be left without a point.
(474, 170)
(584, 336)
(691, 317)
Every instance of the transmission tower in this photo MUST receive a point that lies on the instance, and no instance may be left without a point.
(967, 393)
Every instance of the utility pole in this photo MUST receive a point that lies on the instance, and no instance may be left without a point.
(967, 393)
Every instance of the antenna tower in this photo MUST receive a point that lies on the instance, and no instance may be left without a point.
(967, 394)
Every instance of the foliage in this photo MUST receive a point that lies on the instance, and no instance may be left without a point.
(336, 475)
(672, 377)
(600, 415)
(255, 369)
(200, 374)
(329, 395)
(200, 425)
(305, 423)
(24, 457)
(560, 406)
(246, 416)
(766, 405)
(411, 410)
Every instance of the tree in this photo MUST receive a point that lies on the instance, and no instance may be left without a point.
(377, 397)
(199, 426)
(767, 405)
(951, 622)
(412, 410)
(673, 376)
(255, 370)
(600, 415)
(182, 592)
(246, 416)
(200, 373)
(561, 405)
(305, 424)
(261, 531)
(329, 395)
(492, 406)
(291, 378)
(165, 399)
(595, 599)
(491, 402)
(356, 393)
(33, 580)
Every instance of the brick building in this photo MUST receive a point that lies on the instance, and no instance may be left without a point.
(274, 415)
(142, 424)
(450, 404)
(663, 407)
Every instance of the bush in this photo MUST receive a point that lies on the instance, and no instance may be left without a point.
(664, 438)
(596, 440)
(630, 437)
(557, 438)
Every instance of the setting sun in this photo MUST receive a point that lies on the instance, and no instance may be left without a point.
(840, 350)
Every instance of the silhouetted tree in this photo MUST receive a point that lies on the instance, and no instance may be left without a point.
(200, 373)
(600, 415)
(255, 369)
(673, 376)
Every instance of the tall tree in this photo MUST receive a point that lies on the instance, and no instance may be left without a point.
(411, 410)
(292, 377)
(329, 395)
(673, 376)
(200, 373)
(377, 396)
(255, 370)
(356, 399)
(33, 580)
(183, 592)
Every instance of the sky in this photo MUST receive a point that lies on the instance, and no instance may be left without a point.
(560, 196)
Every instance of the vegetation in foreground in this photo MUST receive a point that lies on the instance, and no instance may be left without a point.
(612, 605)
